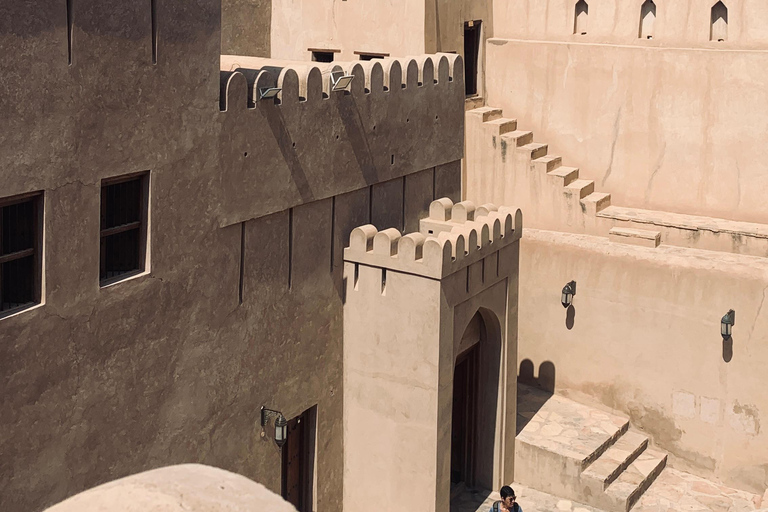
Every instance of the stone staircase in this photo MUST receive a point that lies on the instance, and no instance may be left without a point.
(580, 453)
(555, 197)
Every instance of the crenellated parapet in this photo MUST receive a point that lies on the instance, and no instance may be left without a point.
(453, 237)
(397, 117)
(244, 76)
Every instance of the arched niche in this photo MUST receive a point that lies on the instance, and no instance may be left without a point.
(718, 29)
(647, 19)
(580, 18)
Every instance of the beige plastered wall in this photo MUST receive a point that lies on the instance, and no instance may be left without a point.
(671, 129)
(444, 26)
(677, 24)
(182, 487)
(644, 339)
(170, 367)
(402, 340)
(395, 27)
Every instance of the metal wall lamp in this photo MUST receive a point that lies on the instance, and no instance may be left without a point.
(268, 93)
(340, 81)
(281, 425)
(569, 290)
(726, 324)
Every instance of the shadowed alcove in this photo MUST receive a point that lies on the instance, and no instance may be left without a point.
(475, 401)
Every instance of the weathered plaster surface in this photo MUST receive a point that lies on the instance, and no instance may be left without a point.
(175, 488)
(169, 367)
(685, 23)
(644, 338)
(671, 129)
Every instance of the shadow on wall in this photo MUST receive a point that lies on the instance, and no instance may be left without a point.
(570, 319)
(728, 349)
(529, 401)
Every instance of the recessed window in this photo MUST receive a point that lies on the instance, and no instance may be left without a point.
(647, 19)
(371, 55)
(580, 18)
(20, 252)
(124, 203)
(471, 56)
(718, 30)
(323, 54)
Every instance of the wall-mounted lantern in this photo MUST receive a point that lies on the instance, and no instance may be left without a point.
(281, 425)
(569, 290)
(726, 324)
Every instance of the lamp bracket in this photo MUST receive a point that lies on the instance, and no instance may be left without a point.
(266, 414)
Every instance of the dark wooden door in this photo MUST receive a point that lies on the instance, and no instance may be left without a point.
(471, 56)
(464, 418)
(294, 462)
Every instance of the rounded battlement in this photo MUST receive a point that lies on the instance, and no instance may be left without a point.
(312, 83)
(461, 238)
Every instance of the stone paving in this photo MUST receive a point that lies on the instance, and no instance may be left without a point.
(675, 490)
(562, 426)
(530, 501)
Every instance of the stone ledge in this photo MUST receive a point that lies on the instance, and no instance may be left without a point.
(635, 237)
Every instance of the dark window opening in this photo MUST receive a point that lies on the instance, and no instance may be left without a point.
(580, 18)
(647, 19)
(20, 261)
(322, 56)
(718, 30)
(471, 56)
(371, 56)
(123, 227)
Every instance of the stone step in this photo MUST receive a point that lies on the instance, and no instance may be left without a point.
(643, 237)
(502, 125)
(596, 201)
(518, 138)
(580, 188)
(616, 459)
(546, 164)
(487, 113)
(627, 489)
(567, 429)
(564, 175)
(534, 150)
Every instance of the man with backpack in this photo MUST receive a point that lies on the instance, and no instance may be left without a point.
(507, 503)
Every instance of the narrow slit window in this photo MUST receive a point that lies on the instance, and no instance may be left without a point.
(471, 56)
(357, 276)
(647, 19)
(124, 204)
(580, 18)
(719, 23)
(20, 252)
(383, 281)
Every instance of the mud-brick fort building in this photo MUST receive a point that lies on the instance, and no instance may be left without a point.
(390, 254)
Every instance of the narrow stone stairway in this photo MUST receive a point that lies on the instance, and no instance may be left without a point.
(580, 453)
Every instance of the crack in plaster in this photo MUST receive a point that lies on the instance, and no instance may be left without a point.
(613, 146)
(655, 171)
(757, 315)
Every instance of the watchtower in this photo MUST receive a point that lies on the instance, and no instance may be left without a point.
(430, 356)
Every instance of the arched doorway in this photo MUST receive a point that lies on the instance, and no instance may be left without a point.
(474, 436)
